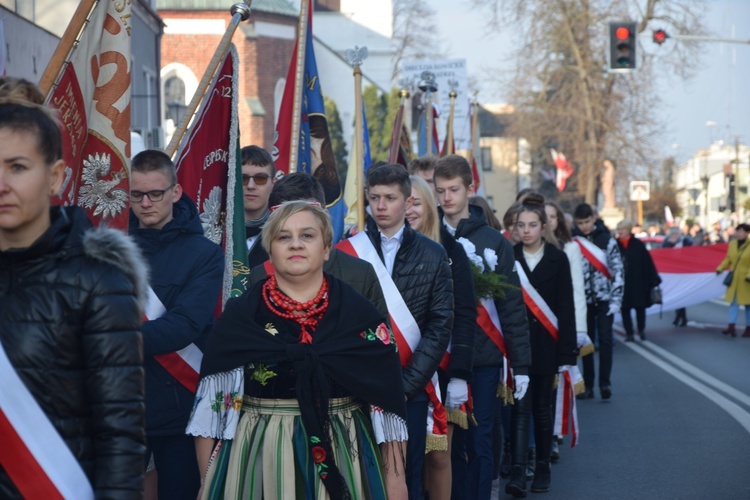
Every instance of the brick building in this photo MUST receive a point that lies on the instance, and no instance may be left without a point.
(193, 30)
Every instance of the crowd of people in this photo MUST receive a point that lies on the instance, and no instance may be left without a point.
(418, 358)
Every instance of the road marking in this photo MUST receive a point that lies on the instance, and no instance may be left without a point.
(734, 410)
(686, 375)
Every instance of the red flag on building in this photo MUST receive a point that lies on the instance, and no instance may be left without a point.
(93, 98)
(564, 170)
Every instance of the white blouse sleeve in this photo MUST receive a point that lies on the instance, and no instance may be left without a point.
(217, 406)
(387, 426)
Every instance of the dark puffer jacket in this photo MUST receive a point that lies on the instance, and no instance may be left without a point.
(465, 328)
(69, 323)
(186, 274)
(423, 276)
(511, 310)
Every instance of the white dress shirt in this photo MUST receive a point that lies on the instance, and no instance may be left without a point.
(390, 248)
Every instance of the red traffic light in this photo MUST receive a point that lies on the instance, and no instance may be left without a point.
(660, 36)
(622, 33)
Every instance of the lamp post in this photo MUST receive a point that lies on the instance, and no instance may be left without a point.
(704, 180)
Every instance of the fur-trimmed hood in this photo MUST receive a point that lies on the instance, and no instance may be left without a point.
(115, 248)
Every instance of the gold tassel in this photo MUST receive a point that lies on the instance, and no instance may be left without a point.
(579, 388)
(504, 392)
(459, 418)
(436, 443)
(585, 350)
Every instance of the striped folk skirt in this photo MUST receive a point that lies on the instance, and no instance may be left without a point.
(269, 457)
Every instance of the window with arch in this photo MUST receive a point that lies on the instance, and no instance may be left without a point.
(174, 99)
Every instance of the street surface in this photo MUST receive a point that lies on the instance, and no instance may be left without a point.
(678, 423)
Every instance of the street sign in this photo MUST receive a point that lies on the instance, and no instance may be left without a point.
(640, 190)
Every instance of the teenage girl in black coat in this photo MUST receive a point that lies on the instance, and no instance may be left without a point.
(548, 272)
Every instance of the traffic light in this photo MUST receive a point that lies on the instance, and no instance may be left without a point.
(660, 36)
(623, 43)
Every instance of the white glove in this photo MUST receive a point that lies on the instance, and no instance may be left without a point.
(613, 309)
(582, 338)
(522, 385)
(564, 368)
(456, 394)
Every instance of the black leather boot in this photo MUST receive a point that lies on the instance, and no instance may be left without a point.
(542, 478)
(517, 484)
(507, 460)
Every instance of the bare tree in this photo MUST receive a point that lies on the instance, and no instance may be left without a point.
(414, 31)
(564, 96)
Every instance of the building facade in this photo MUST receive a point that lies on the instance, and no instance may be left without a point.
(704, 184)
(33, 29)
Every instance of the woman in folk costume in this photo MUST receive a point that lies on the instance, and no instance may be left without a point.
(71, 358)
(423, 217)
(548, 294)
(300, 381)
(737, 262)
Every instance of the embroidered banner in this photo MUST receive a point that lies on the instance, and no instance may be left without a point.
(92, 96)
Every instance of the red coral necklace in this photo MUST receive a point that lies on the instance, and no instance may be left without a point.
(306, 314)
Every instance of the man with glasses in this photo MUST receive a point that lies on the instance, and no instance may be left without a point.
(258, 178)
(186, 271)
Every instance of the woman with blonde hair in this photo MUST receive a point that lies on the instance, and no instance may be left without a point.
(423, 217)
(300, 380)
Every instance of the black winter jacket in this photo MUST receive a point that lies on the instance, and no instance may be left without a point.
(186, 274)
(69, 321)
(422, 274)
(465, 328)
(640, 274)
(551, 278)
(511, 310)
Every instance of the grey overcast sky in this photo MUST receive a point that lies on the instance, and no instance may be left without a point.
(716, 94)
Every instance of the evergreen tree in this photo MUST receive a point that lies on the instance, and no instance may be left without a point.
(376, 110)
(336, 133)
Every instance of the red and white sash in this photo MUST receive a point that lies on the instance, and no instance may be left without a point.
(566, 415)
(32, 452)
(536, 304)
(489, 321)
(185, 364)
(404, 326)
(594, 255)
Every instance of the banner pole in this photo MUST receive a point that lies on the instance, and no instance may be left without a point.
(240, 12)
(60, 57)
(299, 75)
(397, 127)
(449, 135)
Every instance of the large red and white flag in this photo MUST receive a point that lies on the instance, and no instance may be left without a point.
(689, 275)
(92, 95)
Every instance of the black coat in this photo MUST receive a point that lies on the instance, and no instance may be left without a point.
(640, 274)
(69, 323)
(186, 274)
(551, 278)
(422, 274)
(465, 328)
(510, 310)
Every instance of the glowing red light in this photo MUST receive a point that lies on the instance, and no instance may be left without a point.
(622, 33)
(660, 36)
